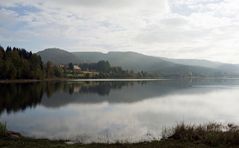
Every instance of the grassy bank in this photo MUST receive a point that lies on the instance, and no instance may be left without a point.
(209, 135)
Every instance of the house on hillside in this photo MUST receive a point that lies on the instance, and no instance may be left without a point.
(61, 66)
(76, 68)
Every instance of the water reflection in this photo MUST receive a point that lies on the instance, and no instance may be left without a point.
(16, 97)
(115, 111)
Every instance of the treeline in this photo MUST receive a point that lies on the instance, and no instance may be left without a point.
(101, 66)
(107, 71)
(17, 63)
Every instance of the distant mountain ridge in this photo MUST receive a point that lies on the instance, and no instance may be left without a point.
(139, 62)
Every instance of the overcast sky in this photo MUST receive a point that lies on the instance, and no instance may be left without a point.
(202, 29)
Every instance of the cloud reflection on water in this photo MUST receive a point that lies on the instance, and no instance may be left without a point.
(144, 119)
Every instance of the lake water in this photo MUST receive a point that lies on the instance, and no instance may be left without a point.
(111, 111)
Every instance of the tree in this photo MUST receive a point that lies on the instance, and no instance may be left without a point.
(49, 70)
(36, 66)
(9, 49)
(71, 66)
(58, 72)
(103, 66)
(2, 52)
(16, 63)
(12, 72)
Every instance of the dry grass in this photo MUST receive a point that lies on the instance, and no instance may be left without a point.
(212, 134)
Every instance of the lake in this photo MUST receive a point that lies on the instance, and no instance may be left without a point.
(115, 111)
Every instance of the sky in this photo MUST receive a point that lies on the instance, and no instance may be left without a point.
(188, 29)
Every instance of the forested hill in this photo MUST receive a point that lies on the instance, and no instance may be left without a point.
(137, 62)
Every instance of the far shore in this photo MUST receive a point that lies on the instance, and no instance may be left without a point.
(31, 80)
(108, 79)
(70, 79)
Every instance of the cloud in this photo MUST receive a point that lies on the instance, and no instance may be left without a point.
(169, 28)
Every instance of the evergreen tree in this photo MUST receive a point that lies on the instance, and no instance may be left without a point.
(16, 63)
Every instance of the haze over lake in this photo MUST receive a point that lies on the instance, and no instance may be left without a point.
(111, 111)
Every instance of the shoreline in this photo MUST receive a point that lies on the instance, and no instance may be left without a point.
(74, 80)
(43, 143)
(208, 135)
(32, 80)
(112, 79)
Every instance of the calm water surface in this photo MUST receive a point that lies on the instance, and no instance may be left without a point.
(124, 111)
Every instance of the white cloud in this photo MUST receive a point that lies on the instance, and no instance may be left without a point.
(176, 29)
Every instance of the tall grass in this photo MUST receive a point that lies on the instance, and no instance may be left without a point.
(3, 129)
(213, 134)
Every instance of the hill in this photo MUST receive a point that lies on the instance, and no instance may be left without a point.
(206, 63)
(139, 62)
(58, 56)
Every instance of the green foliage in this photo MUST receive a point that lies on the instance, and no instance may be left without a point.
(2, 53)
(49, 70)
(3, 129)
(71, 66)
(53, 71)
(58, 72)
(105, 70)
(16, 63)
(103, 66)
